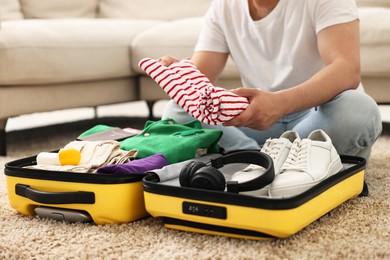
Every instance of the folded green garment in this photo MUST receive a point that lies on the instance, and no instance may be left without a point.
(177, 142)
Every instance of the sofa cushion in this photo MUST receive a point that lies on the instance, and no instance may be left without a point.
(67, 50)
(59, 8)
(176, 38)
(26, 99)
(373, 3)
(375, 41)
(152, 9)
(10, 10)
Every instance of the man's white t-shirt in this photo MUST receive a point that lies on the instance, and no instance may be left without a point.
(278, 51)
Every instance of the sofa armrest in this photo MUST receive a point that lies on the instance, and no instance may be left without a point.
(10, 10)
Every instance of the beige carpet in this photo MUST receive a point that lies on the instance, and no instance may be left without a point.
(358, 229)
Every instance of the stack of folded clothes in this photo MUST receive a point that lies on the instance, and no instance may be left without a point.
(94, 154)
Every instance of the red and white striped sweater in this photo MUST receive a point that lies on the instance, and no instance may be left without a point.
(192, 91)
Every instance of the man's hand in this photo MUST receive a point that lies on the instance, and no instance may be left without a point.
(265, 108)
(167, 60)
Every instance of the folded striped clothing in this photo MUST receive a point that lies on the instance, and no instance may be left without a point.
(193, 91)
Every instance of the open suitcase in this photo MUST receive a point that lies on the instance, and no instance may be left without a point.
(101, 198)
(74, 197)
(245, 216)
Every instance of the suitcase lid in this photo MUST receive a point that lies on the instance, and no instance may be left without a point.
(16, 168)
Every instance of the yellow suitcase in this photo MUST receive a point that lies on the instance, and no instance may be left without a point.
(75, 197)
(245, 216)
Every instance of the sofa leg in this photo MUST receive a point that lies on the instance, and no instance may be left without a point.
(95, 112)
(3, 137)
(150, 105)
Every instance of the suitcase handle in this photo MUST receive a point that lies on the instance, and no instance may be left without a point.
(82, 197)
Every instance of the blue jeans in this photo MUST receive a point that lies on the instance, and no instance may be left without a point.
(352, 120)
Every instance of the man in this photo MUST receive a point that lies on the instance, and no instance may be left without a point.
(300, 67)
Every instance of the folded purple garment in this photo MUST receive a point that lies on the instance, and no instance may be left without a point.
(156, 161)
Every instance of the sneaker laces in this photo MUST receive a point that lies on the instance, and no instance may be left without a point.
(298, 157)
(272, 147)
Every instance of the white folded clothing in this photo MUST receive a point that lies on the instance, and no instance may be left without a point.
(94, 154)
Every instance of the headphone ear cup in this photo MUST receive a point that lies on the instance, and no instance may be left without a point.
(208, 178)
(188, 171)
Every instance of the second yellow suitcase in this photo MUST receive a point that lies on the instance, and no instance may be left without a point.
(245, 216)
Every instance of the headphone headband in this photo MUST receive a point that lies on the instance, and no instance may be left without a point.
(250, 157)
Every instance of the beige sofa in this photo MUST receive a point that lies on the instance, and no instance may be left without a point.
(84, 53)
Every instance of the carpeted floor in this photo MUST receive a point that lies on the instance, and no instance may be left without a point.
(358, 229)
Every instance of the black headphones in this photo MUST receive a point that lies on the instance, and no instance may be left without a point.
(202, 176)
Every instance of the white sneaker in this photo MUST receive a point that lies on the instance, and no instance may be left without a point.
(310, 161)
(278, 149)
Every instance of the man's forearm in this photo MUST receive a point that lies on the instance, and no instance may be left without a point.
(322, 87)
